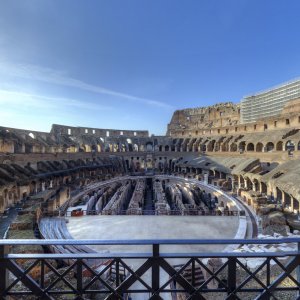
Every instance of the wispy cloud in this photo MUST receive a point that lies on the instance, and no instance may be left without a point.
(36, 73)
(35, 101)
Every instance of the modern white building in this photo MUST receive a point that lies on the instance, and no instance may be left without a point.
(269, 102)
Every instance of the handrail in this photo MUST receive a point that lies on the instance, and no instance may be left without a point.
(12, 242)
(196, 277)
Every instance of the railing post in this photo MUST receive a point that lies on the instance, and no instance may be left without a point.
(298, 268)
(155, 270)
(4, 250)
(79, 276)
(231, 277)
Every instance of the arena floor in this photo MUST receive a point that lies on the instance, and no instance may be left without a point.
(153, 227)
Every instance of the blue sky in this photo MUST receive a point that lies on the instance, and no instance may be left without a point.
(129, 64)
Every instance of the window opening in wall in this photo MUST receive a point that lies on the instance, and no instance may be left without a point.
(245, 128)
(107, 133)
(31, 135)
(265, 126)
(196, 132)
(69, 131)
(287, 121)
(182, 132)
(299, 119)
(219, 130)
(227, 130)
(121, 132)
(275, 123)
(94, 131)
(235, 129)
(254, 127)
(86, 131)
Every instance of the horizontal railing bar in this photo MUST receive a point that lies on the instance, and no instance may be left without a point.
(63, 292)
(148, 242)
(148, 255)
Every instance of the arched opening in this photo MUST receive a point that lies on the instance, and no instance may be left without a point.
(259, 147)
(167, 148)
(249, 184)
(224, 147)
(210, 146)
(269, 147)
(279, 194)
(279, 146)
(242, 146)
(264, 188)
(149, 147)
(233, 147)
(287, 200)
(250, 147)
(290, 147)
(256, 185)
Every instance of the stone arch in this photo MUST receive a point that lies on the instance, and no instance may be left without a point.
(279, 194)
(259, 147)
(290, 146)
(264, 188)
(233, 147)
(149, 146)
(242, 146)
(250, 147)
(269, 146)
(249, 183)
(279, 146)
(82, 148)
(256, 184)
(224, 147)
(211, 145)
(94, 148)
(2, 207)
(167, 148)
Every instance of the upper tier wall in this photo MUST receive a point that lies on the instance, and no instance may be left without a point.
(74, 131)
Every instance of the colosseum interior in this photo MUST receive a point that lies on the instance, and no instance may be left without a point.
(209, 163)
(259, 161)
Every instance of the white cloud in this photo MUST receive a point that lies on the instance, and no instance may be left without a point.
(51, 76)
(33, 101)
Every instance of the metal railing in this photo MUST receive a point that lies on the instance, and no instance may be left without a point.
(155, 272)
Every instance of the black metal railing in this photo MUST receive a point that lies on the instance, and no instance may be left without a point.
(154, 268)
